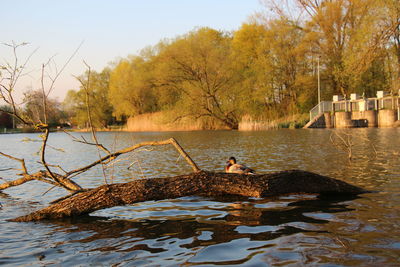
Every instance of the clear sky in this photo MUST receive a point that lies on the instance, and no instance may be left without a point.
(110, 29)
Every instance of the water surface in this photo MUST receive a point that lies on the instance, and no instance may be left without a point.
(281, 231)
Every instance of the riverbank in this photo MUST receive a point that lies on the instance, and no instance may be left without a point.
(158, 122)
(21, 130)
(295, 121)
(162, 122)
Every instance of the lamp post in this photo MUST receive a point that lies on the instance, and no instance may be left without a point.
(319, 88)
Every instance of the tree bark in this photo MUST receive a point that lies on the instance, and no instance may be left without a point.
(200, 183)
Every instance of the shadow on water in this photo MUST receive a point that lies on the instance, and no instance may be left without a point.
(250, 220)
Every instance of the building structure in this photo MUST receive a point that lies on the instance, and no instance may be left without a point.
(358, 111)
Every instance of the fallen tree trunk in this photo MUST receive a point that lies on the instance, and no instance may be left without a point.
(200, 183)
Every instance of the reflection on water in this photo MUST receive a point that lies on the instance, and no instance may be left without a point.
(287, 230)
(233, 233)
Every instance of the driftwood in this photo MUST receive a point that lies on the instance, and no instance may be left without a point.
(198, 183)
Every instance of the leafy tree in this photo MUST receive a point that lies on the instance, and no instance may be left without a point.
(197, 67)
(249, 53)
(101, 110)
(392, 8)
(131, 88)
(348, 34)
(271, 63)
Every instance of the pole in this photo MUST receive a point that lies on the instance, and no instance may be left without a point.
(319, 88)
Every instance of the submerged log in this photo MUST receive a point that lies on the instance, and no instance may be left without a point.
(200, 183)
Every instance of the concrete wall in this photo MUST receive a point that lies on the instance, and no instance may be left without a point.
(322, 121)
(368, 118)
(369, 115)
(372, 118)
(328, 120)
(343, 120)
(387, 117)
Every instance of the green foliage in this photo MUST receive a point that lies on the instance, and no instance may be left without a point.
(75, 104)
(130, 90)
(348, 35)
(270, 59)
(196, 70)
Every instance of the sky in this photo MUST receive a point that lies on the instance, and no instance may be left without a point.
(108, 29)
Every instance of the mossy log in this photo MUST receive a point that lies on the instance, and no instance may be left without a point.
(200, 183)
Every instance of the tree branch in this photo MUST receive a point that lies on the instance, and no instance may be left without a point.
(116, 154)
(22, 161)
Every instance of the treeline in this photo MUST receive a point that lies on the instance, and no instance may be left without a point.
(266, 69)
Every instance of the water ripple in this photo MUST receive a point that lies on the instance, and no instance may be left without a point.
(288, 230)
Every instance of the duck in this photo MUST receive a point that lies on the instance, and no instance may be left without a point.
(233, 167)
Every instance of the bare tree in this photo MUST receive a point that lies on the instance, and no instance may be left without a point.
(10, 74)
(346, 141)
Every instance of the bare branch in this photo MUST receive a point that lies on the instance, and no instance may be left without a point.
(57, 166)
(16, 182)
(84, 141)
(116, 154)
(60, 180)
(86, 87)
(22, 161)
(58, 73)
(346, 142)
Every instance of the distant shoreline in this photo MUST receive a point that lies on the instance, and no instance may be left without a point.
(157, 122)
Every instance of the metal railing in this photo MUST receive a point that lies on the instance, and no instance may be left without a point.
(340, 105)
(390, 102)
(371, 104)
(323, 106)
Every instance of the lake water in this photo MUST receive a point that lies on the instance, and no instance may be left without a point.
(292, 230)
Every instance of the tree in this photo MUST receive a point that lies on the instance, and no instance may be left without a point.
(197, 183)
(393, 22)
(349, 36)
(271, 61)
(34, 109)
(6, 120)
(249, 53)
(101, 109)
(131, 90)
(197, 67)
(10, 74)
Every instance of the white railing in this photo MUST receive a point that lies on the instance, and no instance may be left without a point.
(323, 106)
(367, 104)
(371, 104)
(388, 102)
